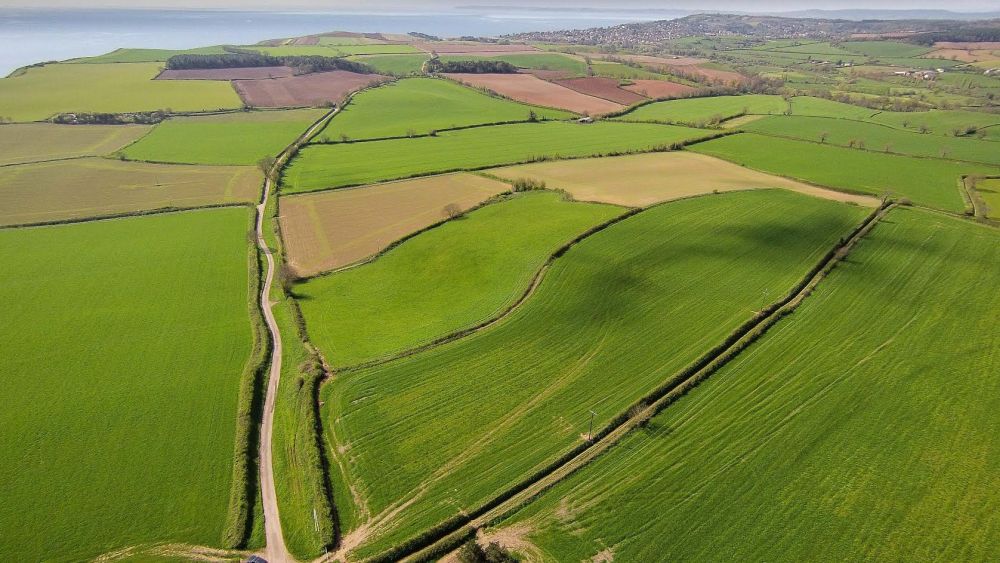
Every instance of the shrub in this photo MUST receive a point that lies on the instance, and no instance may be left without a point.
(528, 184)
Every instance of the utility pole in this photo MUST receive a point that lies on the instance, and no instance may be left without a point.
(590, 433)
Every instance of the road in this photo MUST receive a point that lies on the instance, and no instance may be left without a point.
(275, 550)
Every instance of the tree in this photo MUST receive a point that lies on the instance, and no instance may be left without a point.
(532, 116)
(823, 136)
(451, 211)
(266, 164)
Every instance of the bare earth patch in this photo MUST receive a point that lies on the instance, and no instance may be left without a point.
(251, 73)
(305, 90)
(533, 90)
(645, 179)
(658, 88)
(331, 229)
(599, 87)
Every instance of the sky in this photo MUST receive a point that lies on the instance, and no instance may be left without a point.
(421, 5)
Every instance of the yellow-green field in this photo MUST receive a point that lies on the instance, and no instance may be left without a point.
(34, 142)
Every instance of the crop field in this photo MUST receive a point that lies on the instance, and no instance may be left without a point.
(233, 138)
(530, 89)
(248, 73)
(396, 65)
(319, 167)
(830, 431)
(930, 182)
(93, 187)
(35, 142)
(599, 87)
(525, 385)
(417, 106)
(39, 93)
(540, 61)
(658, 88)
(332, 229)
(318, 89)
(877, 137)
(122, 428)
(446, 279)
(621, 71)
(146, 55)
(644, 179)
(702, 110)
(880, 49)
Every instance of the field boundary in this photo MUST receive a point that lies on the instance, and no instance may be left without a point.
(125, 214)
(435, 131)
(441, 538)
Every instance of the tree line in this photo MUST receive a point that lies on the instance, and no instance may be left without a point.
(249, 59)
(471, 67)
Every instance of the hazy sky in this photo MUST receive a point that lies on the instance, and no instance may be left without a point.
(416, 5)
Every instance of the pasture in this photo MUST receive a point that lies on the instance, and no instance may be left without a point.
(395, 65)
(877, 137)
(146, 55)
(41, 92)
(989, 190)
(125, 340)
(701, 266)
(94, 187)
(704, 110)
(829, 431)
(335, 228)
(540, 61)
(319, 167)
(417, 106)
(232, 138)
(879, 49)
(530, 89)
(644, 179)
(35, 142)
(930, 182)
(448, 278)
(317, 89)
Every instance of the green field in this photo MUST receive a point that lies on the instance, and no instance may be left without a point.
(326, 166)
(936, 122)
(417, 106)
(701, 110)
(41, 92)
(125, 341)
(819, 107)
(877, 137)
(618, 70)
(930, 182)
(374, 49)
(541, 61)
(146, 55)
(473, 417)
(879, 49)
(397, 65)
(232, 138)
(989, 190)
(862, 426)
(446, 279)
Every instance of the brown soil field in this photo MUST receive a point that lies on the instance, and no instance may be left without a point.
(547, 74)
(533, 90)
(965, 55)
(680, 65)
(304, 90)
(724, 76)
(645, 179)
(653, 61)
(252, 73)
(328, 230)
(468, 48)
(658, 88)
(606, 88)
(34, 142)
(90, 187)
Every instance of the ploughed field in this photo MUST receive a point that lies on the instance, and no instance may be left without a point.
(125, 341)
(700, 266)
(318, 167)
(856, 424)
(530, 89)
(317, 89)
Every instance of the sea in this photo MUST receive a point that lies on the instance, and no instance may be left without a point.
(35, 35)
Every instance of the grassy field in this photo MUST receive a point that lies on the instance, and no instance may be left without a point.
(989, 190)
(397, 65)
(929, 182)
(121, 431)
(335, 228)
(39, 93)
(421, 105)
(879, 49)
(446, 279)
(638, 180)
(233, 138)
(325, 166)
(91, 187)
(935, 122)
(819, 107)
(701, 110)
(146, 55)
(877, 137)
(541, 61)
(833, 435)
(33, 142)
(458, 413)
